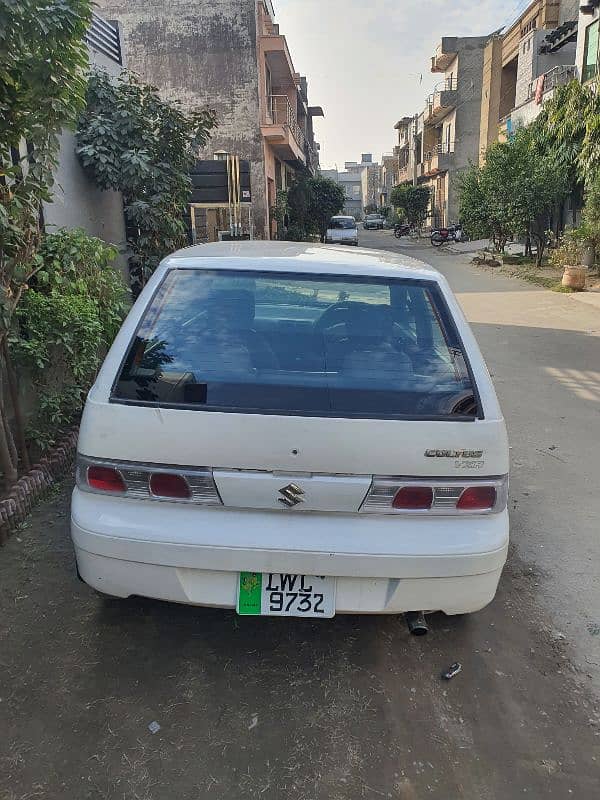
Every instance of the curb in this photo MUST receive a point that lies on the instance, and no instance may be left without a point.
(31, 488)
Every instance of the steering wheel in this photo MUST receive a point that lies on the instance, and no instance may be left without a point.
(336, 314)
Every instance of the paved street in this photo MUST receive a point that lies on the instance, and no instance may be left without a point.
(352, 708)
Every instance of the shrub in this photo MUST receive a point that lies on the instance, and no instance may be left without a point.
(66, 320)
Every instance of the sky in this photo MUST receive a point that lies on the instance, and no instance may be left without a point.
(368, 61)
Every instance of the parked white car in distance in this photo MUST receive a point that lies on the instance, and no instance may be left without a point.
(342, 230)
(289, 429)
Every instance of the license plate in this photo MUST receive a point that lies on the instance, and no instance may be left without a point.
(276, 594)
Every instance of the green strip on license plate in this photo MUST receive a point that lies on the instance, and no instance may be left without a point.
(250, 594)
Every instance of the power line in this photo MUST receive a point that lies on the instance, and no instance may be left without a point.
(518, 9)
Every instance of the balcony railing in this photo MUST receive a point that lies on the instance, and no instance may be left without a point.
(104, 37)
(441, 100)
(437, 159)
(442, 149)
(557, 76)
(404, 173)
(281, 113)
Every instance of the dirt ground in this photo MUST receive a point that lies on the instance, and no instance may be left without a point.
(352, 708)
(338, 710)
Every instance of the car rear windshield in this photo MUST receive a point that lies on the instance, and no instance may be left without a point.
(317, 345)
(342, 222)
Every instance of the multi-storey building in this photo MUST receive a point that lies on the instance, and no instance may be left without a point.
(388, 177)
(228, 55)
(409, 148)
(450, 137)
(523, 64)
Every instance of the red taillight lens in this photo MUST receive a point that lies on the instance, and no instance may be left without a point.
(106, 479)
(477, 498)
(165, 484)
(414, 498)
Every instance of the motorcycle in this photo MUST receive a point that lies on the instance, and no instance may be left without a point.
(402, 229)
(441, 236)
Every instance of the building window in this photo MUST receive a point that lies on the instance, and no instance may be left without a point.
(590, 52)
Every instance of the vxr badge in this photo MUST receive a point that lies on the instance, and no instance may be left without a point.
(291, 495)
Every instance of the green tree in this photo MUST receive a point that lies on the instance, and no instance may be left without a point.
(131, 140)
(308, 205)
(43, 65)
(514, 192)
(413, 201)
(299, 200)
(540, 185)
(569, 129)
(326, 199)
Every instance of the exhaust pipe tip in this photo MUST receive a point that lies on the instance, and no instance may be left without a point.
(416, 623)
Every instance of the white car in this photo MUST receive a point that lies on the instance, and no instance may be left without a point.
(288, 429)
(342, 230)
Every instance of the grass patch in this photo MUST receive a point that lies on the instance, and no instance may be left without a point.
(524, 261)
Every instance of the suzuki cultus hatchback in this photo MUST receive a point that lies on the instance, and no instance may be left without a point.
(294, 430)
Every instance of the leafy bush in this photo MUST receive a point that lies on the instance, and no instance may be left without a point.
(307, 206)
(131, 140)
(514, 192)
(43, 68)
(80, 264)
(570, 249)
(412, 201)
(66, 321)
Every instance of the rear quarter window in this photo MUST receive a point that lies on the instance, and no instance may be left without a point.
(317, 345)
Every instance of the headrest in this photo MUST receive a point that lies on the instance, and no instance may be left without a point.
(370, 322)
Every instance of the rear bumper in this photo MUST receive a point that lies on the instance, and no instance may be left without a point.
(383, 564)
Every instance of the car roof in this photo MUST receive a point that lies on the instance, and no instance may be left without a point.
(342, 216)
(300, 257)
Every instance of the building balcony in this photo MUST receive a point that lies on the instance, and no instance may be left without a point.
(404, 174)
(445, 54)
(441, 102)
(277, 56)
(437, 160)
(282, 131)
(557, 76)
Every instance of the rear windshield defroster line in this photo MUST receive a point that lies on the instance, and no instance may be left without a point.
(298, 344)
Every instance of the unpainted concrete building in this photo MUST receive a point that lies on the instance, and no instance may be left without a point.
(450, 133)
(228, 55)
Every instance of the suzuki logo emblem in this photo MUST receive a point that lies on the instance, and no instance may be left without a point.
(291, 495)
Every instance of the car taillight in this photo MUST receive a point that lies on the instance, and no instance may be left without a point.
(480, 498)
(391, 495)
(166, 484)
(413, 498)
(106, 479)
(148, 481)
